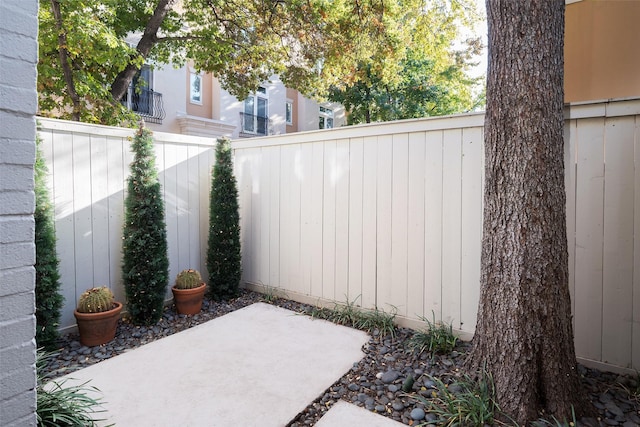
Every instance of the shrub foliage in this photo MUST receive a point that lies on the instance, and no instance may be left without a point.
(464, 402)
(64, 405)
(349, 314)
(145, 269)
(437, 338)
(48, 298)
(224, 254)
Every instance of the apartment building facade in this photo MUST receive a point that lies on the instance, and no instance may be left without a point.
(186, 101)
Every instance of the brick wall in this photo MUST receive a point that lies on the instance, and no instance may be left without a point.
(18, 103)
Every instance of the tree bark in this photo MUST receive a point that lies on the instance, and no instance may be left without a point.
(367, 112)
(63, 55)
(524, 334)
(146, 43)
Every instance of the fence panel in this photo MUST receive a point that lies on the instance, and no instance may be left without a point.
(471, 225)
(416, 258)
(369, 221)
(635, 337)
(413, 221)
(451, 222)
(89, 166)
(588, 268)
(355, 226)
(384, 215)
(398, 292)
(433, 225)
(617, 278)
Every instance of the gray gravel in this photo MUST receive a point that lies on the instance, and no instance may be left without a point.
(376, 383)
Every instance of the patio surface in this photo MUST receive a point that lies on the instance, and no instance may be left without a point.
(257, 366)
(343, 414)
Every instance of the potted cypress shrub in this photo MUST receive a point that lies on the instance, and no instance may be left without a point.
(145, 267)
(224, 260)
(188, 292)
(97, 316)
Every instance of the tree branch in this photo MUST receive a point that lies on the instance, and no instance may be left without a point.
(178, 38)
(63, 54)
(146, 43)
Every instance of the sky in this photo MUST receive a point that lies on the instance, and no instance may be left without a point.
(481, 68)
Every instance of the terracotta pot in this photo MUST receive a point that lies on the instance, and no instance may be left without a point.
(188, 301)
(98, 328)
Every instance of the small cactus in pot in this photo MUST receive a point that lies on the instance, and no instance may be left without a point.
(97, 316)
(188, 292)
(188, 279)
(96, 300)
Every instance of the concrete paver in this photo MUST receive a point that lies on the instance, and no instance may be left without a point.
(258, 366)
(343, 414)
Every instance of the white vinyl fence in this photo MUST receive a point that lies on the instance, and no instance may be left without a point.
(384, 215)
(390, 216)
(89, 166)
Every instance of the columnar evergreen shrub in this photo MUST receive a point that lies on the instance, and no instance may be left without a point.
(48, 298)
(145, 269)
(223, 254)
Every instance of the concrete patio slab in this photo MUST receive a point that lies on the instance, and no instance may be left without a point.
(258, 366)
(344, 414)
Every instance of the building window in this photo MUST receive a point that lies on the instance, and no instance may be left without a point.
(326, 118)
(289, 112)
(195, 88)
(142, 88)
(142, 99)
(255, 117)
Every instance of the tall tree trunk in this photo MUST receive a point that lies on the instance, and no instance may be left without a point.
(146, 43)
(524, 335)
(367, 112)
(63, 55)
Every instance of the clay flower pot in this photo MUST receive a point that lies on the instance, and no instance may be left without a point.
(98, 328)
(188, 301)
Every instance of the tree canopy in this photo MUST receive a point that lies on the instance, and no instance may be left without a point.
(87, 60)
(431, 74)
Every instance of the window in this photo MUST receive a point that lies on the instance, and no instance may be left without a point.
(141, 97)
(255, 118)
(289, 112)
(195, 88)
(326, 118)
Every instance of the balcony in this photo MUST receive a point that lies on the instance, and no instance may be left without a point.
(146, 103)
(251, 125)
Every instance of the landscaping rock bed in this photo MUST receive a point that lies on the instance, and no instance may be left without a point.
(375, 383)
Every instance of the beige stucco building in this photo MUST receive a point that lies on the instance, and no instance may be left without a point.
(194, 103)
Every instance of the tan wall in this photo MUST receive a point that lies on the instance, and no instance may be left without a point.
(204, 110)
(292, 94)
(169, 82)
(602, 50)
(215, 95)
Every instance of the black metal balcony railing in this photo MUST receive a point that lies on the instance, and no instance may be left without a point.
(145, 102)
(254, 125)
